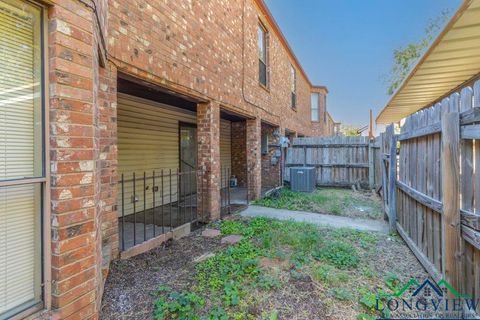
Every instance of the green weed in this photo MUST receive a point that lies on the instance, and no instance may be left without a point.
(342, 294)
(178, 306)
(340, 254)
(364, 316)
(232, 227)
(392, 281)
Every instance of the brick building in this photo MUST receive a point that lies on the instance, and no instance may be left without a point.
(116, 107)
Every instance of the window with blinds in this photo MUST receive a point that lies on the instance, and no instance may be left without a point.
(21, 156)
(262, 55)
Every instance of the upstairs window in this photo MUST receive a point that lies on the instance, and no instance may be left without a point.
(293, 74)
(315, 100)
(262, 55)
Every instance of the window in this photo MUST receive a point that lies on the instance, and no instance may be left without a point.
(264, 143)
(262, 55)
(315, 99)
(293, 75)
(22, 159)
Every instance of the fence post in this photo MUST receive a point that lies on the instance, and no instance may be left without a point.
(371, 164)
(392, 181)
(452, 240)
(383, 167)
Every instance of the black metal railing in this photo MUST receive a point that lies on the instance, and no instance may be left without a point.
(154, 204)
(225, 191)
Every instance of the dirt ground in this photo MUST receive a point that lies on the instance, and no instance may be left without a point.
(131, 287)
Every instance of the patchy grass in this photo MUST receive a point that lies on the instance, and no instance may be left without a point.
(246, 280)
(344, 202)
(280, 270)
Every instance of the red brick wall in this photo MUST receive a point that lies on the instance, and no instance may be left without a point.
(254, 160)
(83, 159)
(239, 152)
(330, 126)
(321, 128)
(107, 166)
(208, 159)
(204, 49)
(208, 49)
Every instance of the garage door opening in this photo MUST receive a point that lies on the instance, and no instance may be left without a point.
(159, 178)
(157, 189)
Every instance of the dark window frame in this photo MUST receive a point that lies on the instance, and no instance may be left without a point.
(31, 309)
(263, 77)
(293, 87)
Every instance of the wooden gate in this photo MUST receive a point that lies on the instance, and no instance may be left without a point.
(434, 199)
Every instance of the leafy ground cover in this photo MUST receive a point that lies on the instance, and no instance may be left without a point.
(344, 202)
(280, 270)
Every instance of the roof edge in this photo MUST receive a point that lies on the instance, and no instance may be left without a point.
(320, 87)
(268, 15)
(431, 48)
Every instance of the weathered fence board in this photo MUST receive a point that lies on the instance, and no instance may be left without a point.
(438, 187)
(340, 161)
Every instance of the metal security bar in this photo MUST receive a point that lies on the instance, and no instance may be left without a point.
(154, 203)
(225, 191)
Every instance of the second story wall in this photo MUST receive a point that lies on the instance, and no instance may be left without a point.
(210, 49)
(320, 125)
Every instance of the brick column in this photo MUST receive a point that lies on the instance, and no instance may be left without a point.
(208, 161)
(108, 155)
(322, 111)
(254, 164)
(106, 172)
(74, 143)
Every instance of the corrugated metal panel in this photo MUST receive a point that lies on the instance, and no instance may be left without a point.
(453, 59)
(20, 144)
(148, 140)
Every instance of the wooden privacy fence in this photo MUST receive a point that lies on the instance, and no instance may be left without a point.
(388, 151)
(339, 161)
(435, 203)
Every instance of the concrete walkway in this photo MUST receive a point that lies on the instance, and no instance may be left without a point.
(317, 218)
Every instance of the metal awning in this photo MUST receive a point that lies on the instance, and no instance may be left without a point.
(452, 60)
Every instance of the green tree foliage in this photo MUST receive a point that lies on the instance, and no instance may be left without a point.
(405, 57)
(350, 131)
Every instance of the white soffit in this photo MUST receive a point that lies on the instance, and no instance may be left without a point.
(452, 59)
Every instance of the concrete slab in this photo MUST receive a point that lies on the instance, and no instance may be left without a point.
(182, 231)
(238, 195)
(317, 218)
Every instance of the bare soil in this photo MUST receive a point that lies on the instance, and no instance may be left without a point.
(131, 284)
